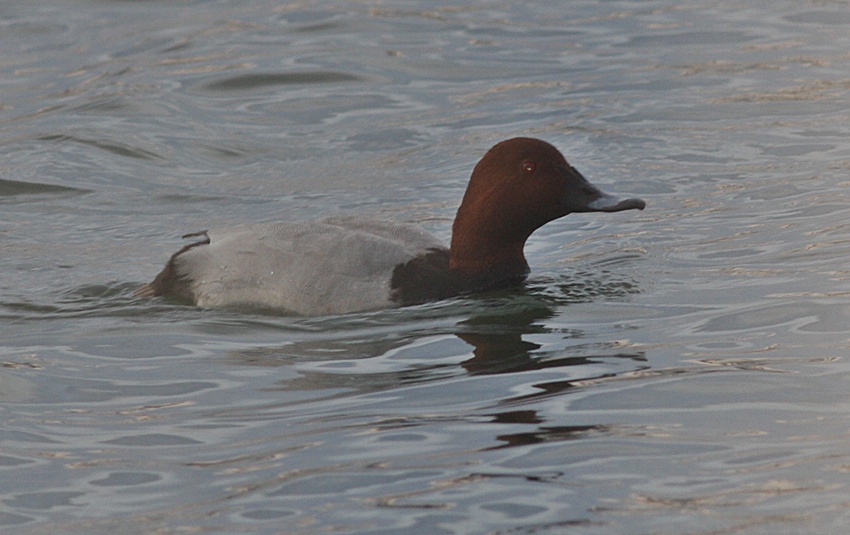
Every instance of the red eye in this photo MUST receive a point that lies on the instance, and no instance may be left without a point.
(529, 167)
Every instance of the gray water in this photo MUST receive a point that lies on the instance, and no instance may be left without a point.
(681, 370)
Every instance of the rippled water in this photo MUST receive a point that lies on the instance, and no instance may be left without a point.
(680, 370)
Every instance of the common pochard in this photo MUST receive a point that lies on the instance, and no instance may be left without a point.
(346, 264)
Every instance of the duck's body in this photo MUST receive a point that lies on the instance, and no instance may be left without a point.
(346, 264)
(342, 264)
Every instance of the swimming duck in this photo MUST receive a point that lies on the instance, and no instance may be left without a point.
(347, 264)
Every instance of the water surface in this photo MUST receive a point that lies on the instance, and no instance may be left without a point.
(679, 370)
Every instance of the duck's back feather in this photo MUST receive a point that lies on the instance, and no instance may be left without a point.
(335, 265)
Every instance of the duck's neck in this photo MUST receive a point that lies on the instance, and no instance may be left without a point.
(487, 253)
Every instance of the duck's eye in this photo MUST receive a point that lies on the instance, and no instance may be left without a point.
(529, 167)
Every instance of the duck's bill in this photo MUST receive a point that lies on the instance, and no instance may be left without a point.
(582, 196)
(611, 203)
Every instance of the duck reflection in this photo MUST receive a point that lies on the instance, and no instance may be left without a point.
(511, 333)
(541, 433)
(501, 344)
(517, 333)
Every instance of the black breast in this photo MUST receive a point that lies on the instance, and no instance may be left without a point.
(427, 277)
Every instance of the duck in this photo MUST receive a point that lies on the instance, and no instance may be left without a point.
(345, 264)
